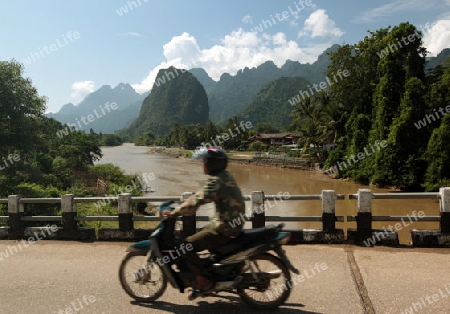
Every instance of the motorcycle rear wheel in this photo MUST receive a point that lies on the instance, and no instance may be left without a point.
(259, 295)
(142, 281)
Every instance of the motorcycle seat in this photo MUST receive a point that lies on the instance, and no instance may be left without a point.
(247, 237)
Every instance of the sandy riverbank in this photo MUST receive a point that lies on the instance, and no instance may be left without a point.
(289, 163)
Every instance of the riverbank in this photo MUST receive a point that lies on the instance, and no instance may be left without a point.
(272, 162)
(244, 159)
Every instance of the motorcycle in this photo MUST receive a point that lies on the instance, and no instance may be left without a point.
(242, 266)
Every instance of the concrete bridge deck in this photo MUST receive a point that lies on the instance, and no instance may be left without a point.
(54, 276)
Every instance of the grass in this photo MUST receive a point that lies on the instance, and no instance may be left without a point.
(109, 209)
(240, 154)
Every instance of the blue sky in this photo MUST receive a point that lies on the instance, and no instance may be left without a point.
(94, 43)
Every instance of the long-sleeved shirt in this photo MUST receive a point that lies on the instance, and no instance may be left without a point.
(230, 206)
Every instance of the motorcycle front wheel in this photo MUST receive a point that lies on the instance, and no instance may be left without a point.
(266, 293)
(143, 281)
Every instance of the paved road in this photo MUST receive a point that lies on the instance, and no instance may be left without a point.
(52, 276)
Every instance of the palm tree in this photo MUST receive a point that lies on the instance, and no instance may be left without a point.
(336, 117)
(210, 131)
(312, 120)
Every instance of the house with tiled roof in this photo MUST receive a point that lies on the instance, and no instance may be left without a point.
(276, 139)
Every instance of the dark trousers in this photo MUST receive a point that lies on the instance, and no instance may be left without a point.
(206, 239)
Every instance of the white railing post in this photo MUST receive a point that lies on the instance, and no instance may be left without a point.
(15, 212)
(444, 209)
(69, 212)
(125, 212)
(258, 214)
(189, 222)
(364, 215)
(328, 211)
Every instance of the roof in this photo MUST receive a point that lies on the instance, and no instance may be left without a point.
(275, 135)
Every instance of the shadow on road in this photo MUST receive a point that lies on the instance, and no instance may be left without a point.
(219, 306)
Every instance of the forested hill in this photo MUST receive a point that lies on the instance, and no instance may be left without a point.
(126, 101)
(232, 94)
(271, 104)
(433, 62)
(177, 98)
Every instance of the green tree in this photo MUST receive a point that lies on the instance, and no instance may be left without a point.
(438, 157)
(257, 146)
(311, 118)
(438, 153)
(146, 139)
(399, 88)
(20, 108)
(210, 131)
(405, 168)
(375, 100)
(237, 136)
(265, 128)
(46, 159)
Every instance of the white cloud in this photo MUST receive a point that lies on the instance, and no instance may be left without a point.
(437, 36)
(134, 34)
(398, 6)
(297, 18)
(236, 51)
(81, 89)
(319, 24)
(249, 19)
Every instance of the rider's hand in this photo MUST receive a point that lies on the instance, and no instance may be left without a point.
(167, 213)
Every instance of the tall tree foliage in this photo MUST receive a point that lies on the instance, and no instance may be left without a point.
(398, 100)
(45, 158)
(20, 109)
(405, 167)
(383, 97)
(438, 157)
(318, 120)
(438, 151)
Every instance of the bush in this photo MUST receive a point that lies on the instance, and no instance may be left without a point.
(35, 190)
(257, 146)
(111, 140)
(111, 173)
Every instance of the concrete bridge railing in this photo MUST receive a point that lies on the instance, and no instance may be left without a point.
(364, 234)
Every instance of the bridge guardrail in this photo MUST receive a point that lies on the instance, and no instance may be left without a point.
(329, 234)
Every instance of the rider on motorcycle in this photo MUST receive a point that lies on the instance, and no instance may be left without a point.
(221, 188)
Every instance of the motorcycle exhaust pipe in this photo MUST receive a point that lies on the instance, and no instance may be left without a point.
(273, 274)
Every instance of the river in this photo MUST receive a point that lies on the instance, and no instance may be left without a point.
(172, 176)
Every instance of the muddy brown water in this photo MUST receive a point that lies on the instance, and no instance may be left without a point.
(172, 176)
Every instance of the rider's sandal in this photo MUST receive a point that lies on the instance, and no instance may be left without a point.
(195, 293)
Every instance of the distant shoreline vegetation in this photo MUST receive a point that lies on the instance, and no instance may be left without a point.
(245, 126)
